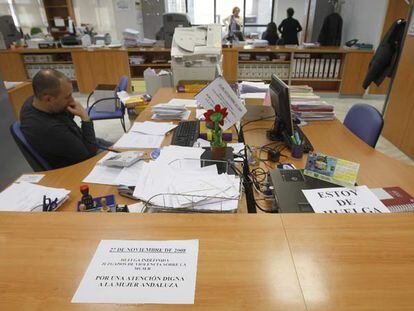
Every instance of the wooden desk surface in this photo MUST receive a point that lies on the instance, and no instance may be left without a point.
(245, 262)
(330, 137)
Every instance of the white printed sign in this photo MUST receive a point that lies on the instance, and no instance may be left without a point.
(125, 272)
(219, 92)
(344, 200)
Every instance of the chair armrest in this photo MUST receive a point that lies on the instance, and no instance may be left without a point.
(100, 100)
(89, 97)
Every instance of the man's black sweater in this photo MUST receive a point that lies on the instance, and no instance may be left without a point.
(56, 137)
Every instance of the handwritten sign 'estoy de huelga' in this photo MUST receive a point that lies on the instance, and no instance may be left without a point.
(131, 272)
(344, 200)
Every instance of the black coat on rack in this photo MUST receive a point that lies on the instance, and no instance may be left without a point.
(384, 61)
(331, 32)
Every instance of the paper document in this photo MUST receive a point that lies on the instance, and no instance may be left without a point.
(33, 178)
(133, 140)
(153, 128)
(136, 272)
(220, 92)
(129, 175)
(102, 174)
(27, 197)
(188, 103)
(344, 200)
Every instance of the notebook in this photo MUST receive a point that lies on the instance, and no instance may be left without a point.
(395, 198)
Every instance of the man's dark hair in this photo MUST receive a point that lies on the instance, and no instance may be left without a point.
(47, 82)
(290, 12)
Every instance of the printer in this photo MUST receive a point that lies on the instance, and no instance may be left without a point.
(196, 53)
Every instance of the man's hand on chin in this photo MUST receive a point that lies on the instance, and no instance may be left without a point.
(76, 109)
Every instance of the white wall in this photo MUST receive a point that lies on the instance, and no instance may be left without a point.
(127, 19)
(363, 20)
(282, 5)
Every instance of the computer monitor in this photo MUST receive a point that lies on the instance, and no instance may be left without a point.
(280, 99)
(8, 30)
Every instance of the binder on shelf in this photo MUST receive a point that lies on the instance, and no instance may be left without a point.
(326, 68)
(332, 68)
(293, 68)
(302, 68)
(337, 68)
(316, 69)
(311, 67)
(306, 68)
(321, 68)
(297, 70)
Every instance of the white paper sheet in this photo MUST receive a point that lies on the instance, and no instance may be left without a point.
(33, 178)
(102, 174)
(153, 128)
(128, 272)
(188, 103)
(134, 140)
(220, 92)
(129, 175)
(26, 197)
(344, 200)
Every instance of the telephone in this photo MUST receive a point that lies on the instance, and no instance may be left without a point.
(351, 43)
(124, 159)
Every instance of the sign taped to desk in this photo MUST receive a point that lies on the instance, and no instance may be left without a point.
(126, 272)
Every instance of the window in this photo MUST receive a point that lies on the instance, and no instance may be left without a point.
(258, 12)
(224, 8)
(201, 11)
(175, 6)
(26, 13)
(99, 13)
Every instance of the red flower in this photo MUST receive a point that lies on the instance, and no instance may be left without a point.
(216, 115)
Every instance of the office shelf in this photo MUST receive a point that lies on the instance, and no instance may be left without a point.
(264, 62)
(49, 62)
(317, 79)
(150, 65)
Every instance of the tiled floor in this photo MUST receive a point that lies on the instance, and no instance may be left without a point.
(111, 130)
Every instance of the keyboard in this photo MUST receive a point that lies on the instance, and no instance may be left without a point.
(186, 133)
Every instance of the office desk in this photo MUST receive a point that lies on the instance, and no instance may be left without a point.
(245, 262)
(330, 137)
(18, 95)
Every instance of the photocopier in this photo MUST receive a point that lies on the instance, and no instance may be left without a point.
(196, 53)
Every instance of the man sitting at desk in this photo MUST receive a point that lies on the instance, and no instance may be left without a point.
(48, 125)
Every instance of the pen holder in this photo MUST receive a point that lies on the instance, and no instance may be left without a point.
(297, 151)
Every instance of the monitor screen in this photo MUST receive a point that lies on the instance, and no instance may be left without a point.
(280, 99)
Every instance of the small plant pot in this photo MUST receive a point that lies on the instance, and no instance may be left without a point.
(218, 153)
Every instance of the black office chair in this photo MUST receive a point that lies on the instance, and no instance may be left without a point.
(35, 160)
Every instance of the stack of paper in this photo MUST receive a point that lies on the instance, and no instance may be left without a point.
(253, 87)
(300, 89)
(177, 180)
(134, 140)
(153, 128)
(131, 37)
(102, 174)
(170, 111)
(28, 197)
(312, 110)
(198, 189)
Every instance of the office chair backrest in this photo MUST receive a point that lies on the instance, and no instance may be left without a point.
(123, 84)
(365, 122)
(32, 157)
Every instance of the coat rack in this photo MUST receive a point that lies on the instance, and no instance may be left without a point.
(337, 4)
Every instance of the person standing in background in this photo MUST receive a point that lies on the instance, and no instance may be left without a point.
(289, 28)
(234, 22)
(271, 34)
